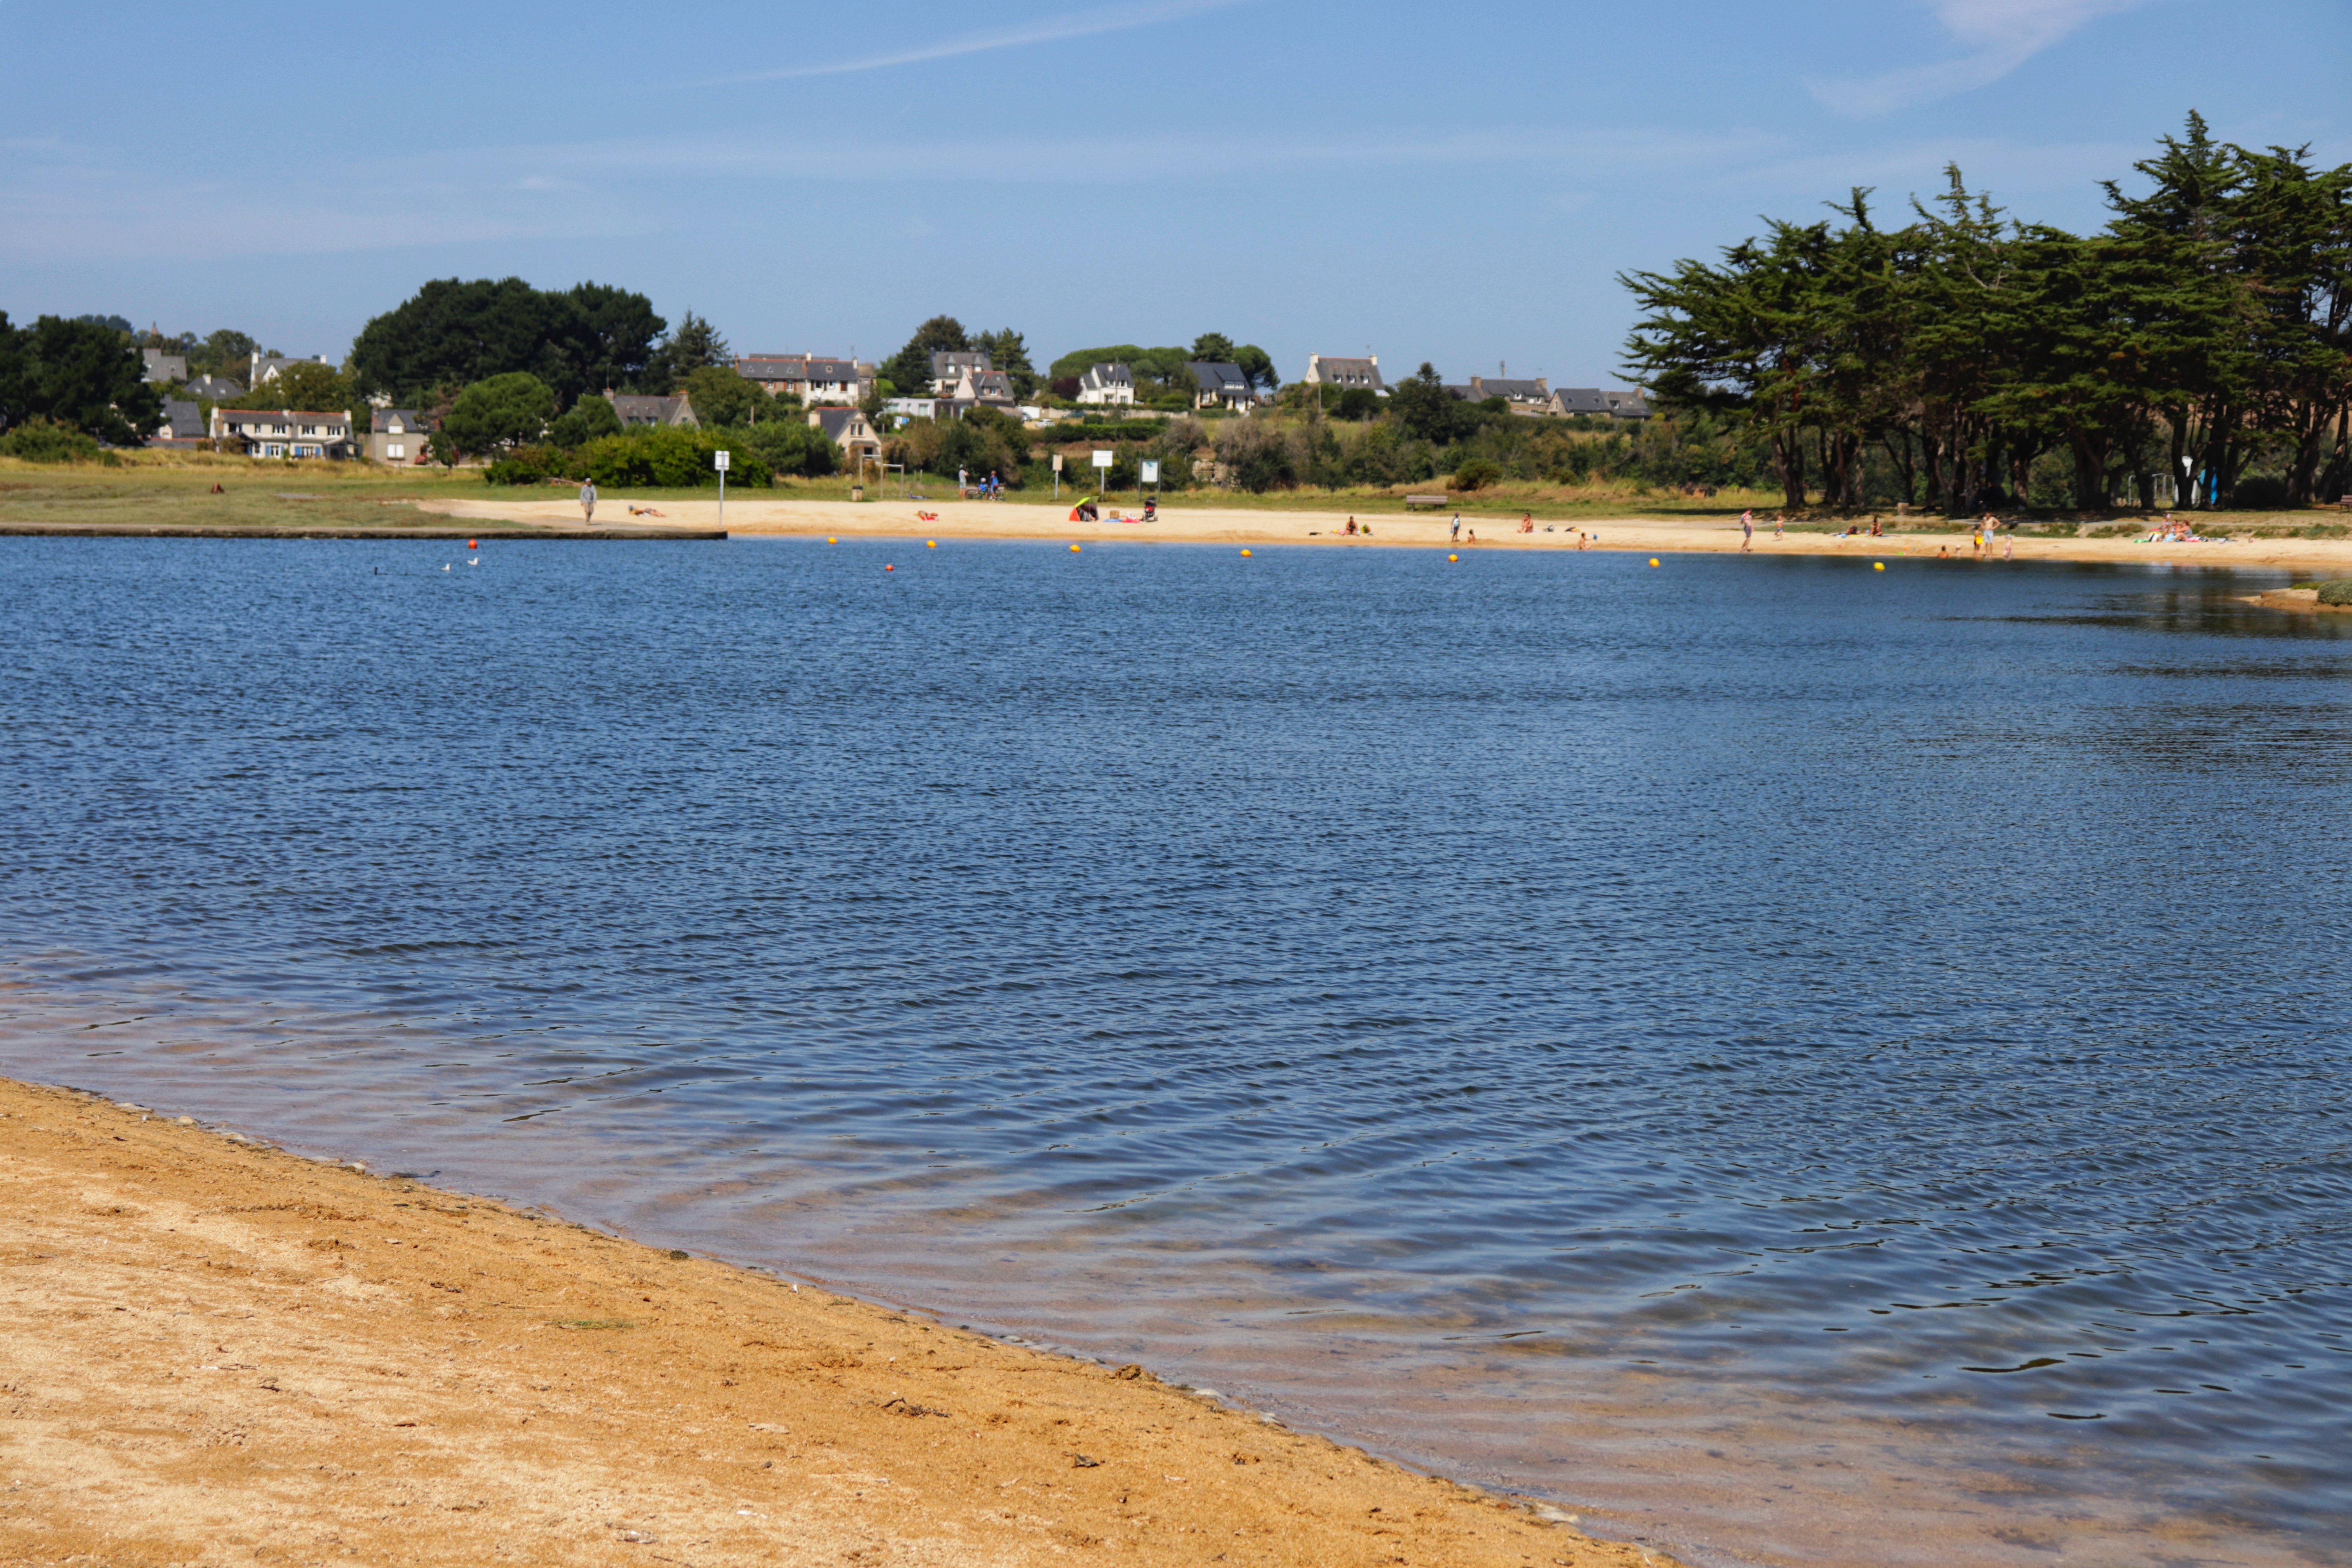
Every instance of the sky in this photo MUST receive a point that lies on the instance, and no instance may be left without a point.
(1460, 185)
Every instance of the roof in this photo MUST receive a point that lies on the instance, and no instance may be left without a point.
(993, 385)
(948, 364)
(1517, 391)
(637, 408)
(836, 423)
(161, 366)
(183, 419)
(380, 421)
(215, 387)
(1112, 374)
(1326, 367)
(795, 367)
(1217, 375)
(1595, 400)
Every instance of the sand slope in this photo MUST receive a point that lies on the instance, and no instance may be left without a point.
(215, 1354)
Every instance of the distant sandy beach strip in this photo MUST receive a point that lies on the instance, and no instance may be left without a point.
(214, 1352)
(1182, 521)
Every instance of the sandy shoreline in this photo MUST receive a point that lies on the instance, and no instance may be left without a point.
(1183, 521)
(218, 1352)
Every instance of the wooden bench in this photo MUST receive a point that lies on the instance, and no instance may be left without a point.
(1413, 502)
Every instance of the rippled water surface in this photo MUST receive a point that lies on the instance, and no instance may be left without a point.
(1818, 1066)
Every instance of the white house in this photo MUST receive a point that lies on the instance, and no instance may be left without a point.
(267, 366)
(1344, 373)
(1107, 383)
(284, 433)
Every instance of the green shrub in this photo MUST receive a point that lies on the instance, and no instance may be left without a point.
(526, 466)
(50, 441)
(662, 457)
(1477, 473)
(2338, 592)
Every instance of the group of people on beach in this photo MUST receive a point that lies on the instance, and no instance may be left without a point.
(989, 488)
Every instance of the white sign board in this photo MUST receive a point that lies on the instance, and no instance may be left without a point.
(718, 461)
(1151, 471)
(1057, 462)
(1102, 460)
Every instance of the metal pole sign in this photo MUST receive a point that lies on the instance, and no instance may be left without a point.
(1146, 473)
(1057, 476)
(718, 461)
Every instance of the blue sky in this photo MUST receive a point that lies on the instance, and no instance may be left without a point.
(1455, 184)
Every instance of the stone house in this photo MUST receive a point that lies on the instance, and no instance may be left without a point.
(816, 380)
(1327, 370)
(638, 411)
(397, 435)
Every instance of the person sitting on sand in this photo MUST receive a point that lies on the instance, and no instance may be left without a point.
(1474, 536)
(1877, 529)
(1351, 525)
(1526, 522)
(636, 511)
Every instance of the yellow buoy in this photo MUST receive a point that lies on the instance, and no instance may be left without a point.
(1073, 550)
(1654, 561)
(1245, 552)
(831, 539)
(1454, 558)
(1878, 566)
(930, 544)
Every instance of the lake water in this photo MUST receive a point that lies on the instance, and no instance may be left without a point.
(1801, 1064)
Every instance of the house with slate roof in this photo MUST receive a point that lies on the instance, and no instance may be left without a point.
(1327, 371)
(1523, 396)
(1111, 384)
(398, 437)
(214, 389)
(267, 366)
(949, 365)
(638, 411)
(816, 379)
(1613, 405)
(849, 429)
(183, 426)
(283, 433)
(163, 367)
(1216, 384)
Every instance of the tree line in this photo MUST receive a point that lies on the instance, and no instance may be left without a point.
(2196, 352)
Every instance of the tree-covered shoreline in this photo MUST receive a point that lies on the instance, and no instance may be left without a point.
(2195, 353)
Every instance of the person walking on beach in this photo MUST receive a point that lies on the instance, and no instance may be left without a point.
(1457, 528)
(588, 501)
(1747, 531)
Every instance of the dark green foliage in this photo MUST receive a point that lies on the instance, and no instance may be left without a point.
(584, 422)
(663, 458)
(788, 444)
(694, 346)
(1476, 474)
(2206, 331)
(82, 373)
(510, 410)
(721, 397)
(2338, 592)
(1009, 352)
(982, 443)
(1424, 410)
(452, 333)
(44, 440)
(910, 370)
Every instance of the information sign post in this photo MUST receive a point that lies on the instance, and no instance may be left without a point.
(1148, 473)
(718, 461)
(1057, 479)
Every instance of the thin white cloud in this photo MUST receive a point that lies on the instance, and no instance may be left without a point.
(2002, 35)
(1045, 30)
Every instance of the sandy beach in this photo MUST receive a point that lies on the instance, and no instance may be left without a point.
(219, 1353)
(1181, 520)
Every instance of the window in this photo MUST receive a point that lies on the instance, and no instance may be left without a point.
(395, 449)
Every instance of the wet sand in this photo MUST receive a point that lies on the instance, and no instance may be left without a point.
(1182, 521)
(218, 1352)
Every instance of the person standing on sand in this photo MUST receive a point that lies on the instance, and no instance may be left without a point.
(1747, 531)
(2009, 547)
(588, 501)
(1779, 523)
(1457, 528)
